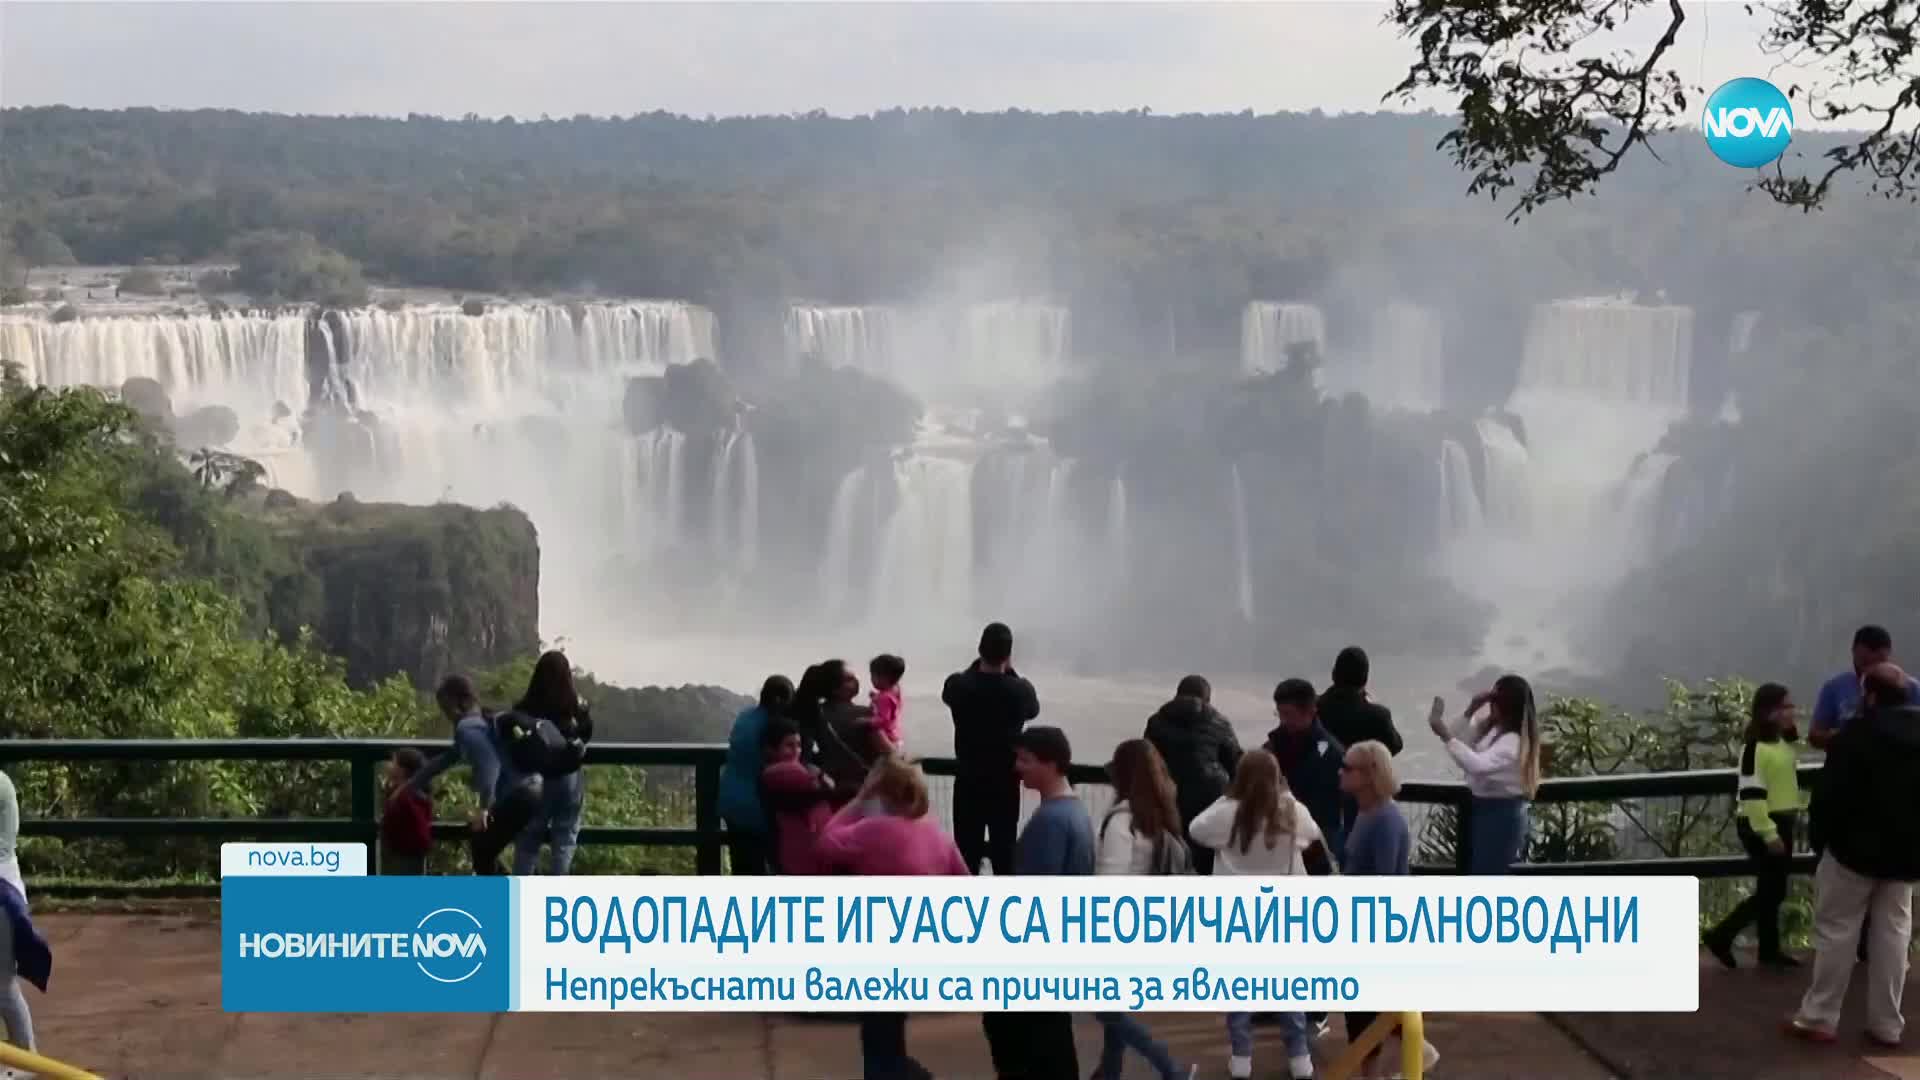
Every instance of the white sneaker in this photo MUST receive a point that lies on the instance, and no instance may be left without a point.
(1301, 1067)
(1239, 1067)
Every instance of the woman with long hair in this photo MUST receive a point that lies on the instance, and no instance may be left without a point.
(1769, 811)
(1140, 835)
(886, 831)
(844, 739)
(749, 829)
(1501, 758)
(551, 697)
(1258, 829)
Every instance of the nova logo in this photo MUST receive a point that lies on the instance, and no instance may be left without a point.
(447, 946)
(455, 939)
(1748, 123)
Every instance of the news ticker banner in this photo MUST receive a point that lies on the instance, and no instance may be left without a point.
(325, 943)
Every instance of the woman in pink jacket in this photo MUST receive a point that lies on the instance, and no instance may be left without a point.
(886, 832)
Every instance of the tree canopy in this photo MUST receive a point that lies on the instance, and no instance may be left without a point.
(1548, 109)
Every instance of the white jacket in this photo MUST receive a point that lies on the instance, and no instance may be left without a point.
(1491, 760)
(1121, 850)
(1215, 824)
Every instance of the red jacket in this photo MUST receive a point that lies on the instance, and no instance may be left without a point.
(407, 828)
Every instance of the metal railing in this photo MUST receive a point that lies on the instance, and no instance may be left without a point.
(705, 833)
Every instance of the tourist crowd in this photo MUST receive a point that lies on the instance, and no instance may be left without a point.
(816, 782)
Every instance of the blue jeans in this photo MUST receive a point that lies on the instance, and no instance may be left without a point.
(1499, 835)
(556, 822)
(1118, 1031)
(1293, 1031)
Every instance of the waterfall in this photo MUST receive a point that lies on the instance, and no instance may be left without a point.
(1242, 548)
(1117, 527)
(720, 504)
(1600, 383)
(1017, 344)
(1267, 328)
(244, 362)
(1402, 366)
(926, 553)
(733, 508)
(856, 337)
(747, 551)
(1509, 494)
(662, 473)
(1459, 504)
(1642, 500)
(836, 568)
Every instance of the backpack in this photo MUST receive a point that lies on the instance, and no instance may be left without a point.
(1171, 857)
(537, 746)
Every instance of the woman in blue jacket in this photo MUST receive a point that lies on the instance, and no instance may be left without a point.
(749, 834)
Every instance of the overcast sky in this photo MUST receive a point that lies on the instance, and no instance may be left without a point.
(732, 58)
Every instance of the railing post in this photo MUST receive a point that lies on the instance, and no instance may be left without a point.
(706, 815)
(364, 804)
(1463, 837)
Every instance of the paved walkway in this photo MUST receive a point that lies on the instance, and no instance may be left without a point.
(138, 996)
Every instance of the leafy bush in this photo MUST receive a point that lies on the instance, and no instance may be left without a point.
(289, 266)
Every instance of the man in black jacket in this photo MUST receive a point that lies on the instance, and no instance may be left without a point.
(1201, 752)
(990, 703)
(1346, 711)
(1352, 718)
(1869, 809)
(1310, 757)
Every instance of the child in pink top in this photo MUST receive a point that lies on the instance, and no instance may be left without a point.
(886, 830)
(887, 670)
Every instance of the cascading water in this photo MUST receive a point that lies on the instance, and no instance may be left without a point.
(247, 363)
(1015, 344)
(843, 525)
(1600, 383)
(1268, 327)
(925, 567)
(1640, 502)
(1117, 545)
(855, 337)
(663, 484)
(1242, 545)
(1507, 504)
(733, 508)
(1460, 513)
(1402, 365)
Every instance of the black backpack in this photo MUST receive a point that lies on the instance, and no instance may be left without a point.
(535, 745)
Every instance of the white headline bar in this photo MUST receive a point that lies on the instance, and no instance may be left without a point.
(1493, 944)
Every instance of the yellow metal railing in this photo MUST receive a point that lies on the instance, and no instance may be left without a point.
(48, 1068)
(1412, 1046)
